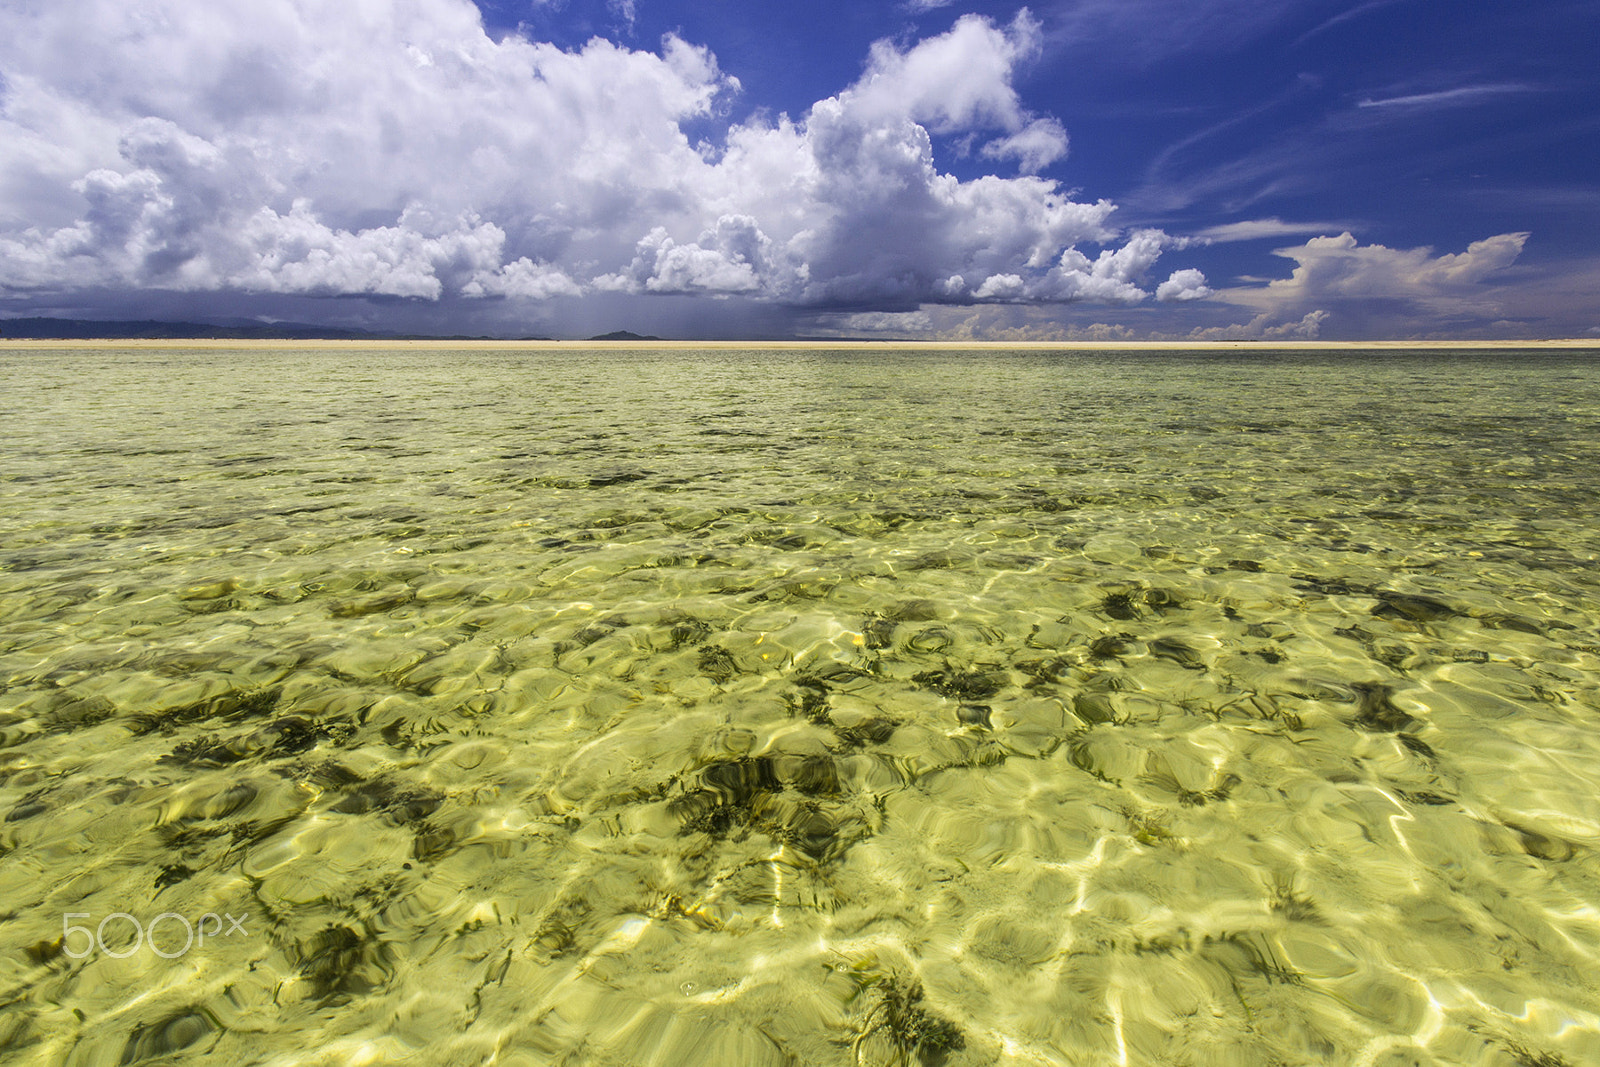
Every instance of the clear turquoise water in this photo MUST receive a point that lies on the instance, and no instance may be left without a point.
(694, 707)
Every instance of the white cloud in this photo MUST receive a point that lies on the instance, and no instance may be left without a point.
(1097, 331)
(296, 253)
(958, 80)
(726, 259)
(1255, 229)
(1377, 291)
(894, 324)
(1019, 324)
(1002, 287)
(1307, 329)
(394, 149)
(1182, 286)
(524, 279)
(1263, 328)
(1340, 269)
(343, 117)
(1034, 147)
(1112, 277)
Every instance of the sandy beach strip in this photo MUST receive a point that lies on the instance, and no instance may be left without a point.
(24, 344)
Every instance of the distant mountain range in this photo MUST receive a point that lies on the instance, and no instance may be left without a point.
(145, 329)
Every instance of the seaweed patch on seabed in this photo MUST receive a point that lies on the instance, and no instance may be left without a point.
(898, 1019)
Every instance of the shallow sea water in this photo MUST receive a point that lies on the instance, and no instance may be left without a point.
(703, 708)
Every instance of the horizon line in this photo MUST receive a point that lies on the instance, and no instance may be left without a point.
(798, 345)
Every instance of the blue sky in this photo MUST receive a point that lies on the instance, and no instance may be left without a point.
(1076, 169)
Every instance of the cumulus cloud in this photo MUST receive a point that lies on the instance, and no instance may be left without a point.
(522, 278)
(1113, 277)
(1330, 270)
(1183, 286)
(726, 259)
(1263, 328)
(959, 80)
(890, 324)
(396, 150)
(297, 253)
(1003, 324)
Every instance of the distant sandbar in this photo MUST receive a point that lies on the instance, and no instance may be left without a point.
(1080, 346)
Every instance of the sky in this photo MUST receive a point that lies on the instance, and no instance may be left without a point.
(1065, 170)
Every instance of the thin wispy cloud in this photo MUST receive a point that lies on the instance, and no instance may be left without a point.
(1467, 94)
(1145, 31)
(1163, 160)
(1343, 17)
(1242, 164)
(625, 11)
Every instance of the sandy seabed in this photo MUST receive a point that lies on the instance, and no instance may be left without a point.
(725, 705)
